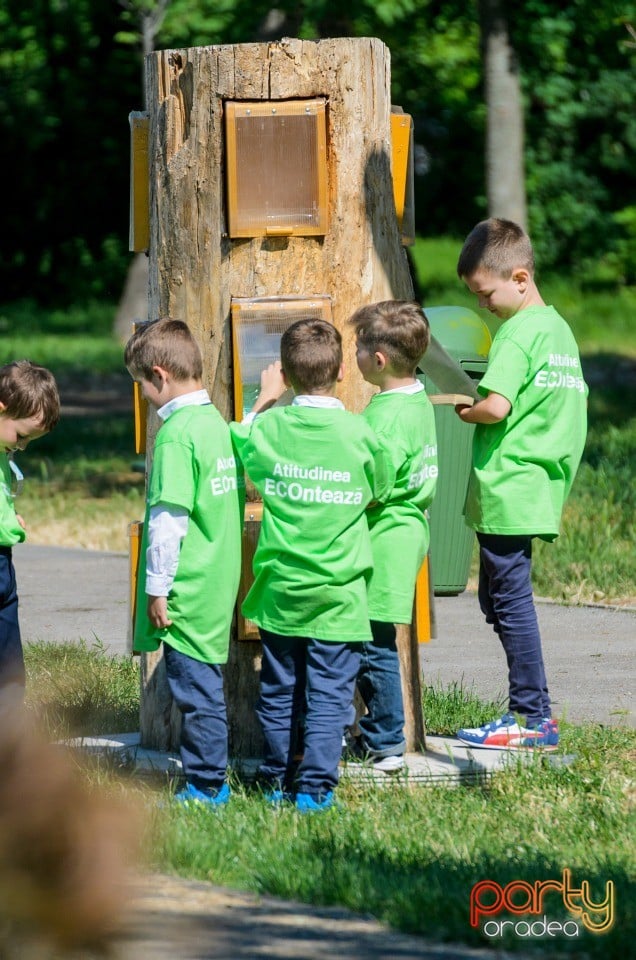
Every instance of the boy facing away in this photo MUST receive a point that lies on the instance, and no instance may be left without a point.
(528, 442)
(392, 336)
(191, 548)
(316, 467)
(29, 408)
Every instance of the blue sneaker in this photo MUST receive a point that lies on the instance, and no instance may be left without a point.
(191, 794)
(276, 798)
(507, 734)
(305, 803)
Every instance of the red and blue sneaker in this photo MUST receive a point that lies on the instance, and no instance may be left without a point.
(506, 733)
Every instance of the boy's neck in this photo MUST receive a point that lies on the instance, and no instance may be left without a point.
(391, 381)
(532, 299)
(300, 391)
(179, 388)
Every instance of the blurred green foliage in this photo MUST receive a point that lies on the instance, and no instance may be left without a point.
(70, 72)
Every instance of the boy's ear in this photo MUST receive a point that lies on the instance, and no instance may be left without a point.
(521, 277)
(3, 406)
(285, 378)
(380, 359)
(341, 373)
(160, 375)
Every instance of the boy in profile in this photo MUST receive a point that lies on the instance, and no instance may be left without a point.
(528, 442)
(29, 408)
(191, 548)
(316, 467)
(392, 336)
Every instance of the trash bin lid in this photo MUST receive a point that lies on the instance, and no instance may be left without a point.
(461, 332)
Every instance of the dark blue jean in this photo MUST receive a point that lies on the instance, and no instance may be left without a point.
(197, 689)
(11, 655)
(301, 675)
(382, 727)
(505, 597)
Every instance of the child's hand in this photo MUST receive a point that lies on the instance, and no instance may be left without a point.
(158, 612)
(273, 386)
(20, 521)
(461, 408)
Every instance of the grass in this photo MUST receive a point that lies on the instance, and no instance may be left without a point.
(407, 855)
(84, 481)
(80, 690)
(410, 856)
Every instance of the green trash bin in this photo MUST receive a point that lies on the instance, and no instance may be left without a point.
(466, 338)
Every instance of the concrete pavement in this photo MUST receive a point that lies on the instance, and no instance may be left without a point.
(590, 651)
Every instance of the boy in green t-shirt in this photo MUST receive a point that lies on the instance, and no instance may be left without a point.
(29, 408)
(191, 548)
(392, 337)
(316, 467)
(528, 442)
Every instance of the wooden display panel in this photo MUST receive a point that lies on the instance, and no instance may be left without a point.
(139, 226)
(403, 173)
(246, 629)
(258, 323)
(276, 160)
(135, 530)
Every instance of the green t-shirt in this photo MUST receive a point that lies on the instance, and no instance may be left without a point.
(10, 530)
(405, 426)
(316, 470)
(194, 468)
(524, 466)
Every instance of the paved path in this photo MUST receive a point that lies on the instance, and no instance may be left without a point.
(590, 651)
(185, 920)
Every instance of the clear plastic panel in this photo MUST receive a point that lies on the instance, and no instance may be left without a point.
(276, 168)
(258, 325)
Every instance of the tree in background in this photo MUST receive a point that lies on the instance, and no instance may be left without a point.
(504, 160)
(69, 76)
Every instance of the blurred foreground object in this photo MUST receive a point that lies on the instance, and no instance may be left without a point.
(63, 848)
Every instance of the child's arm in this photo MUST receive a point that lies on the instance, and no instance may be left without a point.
(167, 526)
(491, 409)
(273, 386)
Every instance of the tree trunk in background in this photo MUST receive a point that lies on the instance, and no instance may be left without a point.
(505, 175)
(195, 268)
(133, 305)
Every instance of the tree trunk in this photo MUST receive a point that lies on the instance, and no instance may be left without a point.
(505, 177)
(195, 268)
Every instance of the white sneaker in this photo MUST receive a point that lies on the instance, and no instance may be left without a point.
(389, 764)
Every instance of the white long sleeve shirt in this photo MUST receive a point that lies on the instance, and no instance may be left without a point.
(167, 524)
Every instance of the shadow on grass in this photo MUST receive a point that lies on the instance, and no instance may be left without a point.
(612, 382)
(433, 899)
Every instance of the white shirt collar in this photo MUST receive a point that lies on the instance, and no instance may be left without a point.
(307, 400)
(416, 387)
(193, 399)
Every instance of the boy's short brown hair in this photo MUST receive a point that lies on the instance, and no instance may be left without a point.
(498, 246)
(397, 328)
(164, 343)
(29, 391)
(311, 354)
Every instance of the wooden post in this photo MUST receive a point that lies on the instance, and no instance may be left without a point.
(195, 268)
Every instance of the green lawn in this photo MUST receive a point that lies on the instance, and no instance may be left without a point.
(408, 855)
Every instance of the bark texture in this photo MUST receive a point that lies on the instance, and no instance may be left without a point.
(195, 268)
(505, 174)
